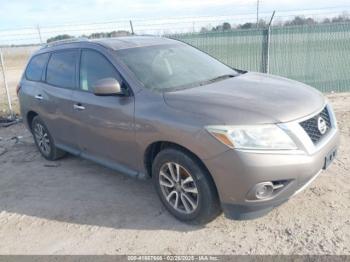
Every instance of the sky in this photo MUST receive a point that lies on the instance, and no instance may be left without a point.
(25, 13)
(17, 14)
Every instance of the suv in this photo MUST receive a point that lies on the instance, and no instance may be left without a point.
(211, 137)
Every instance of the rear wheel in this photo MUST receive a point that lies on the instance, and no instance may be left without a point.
(185, 187)
(44, 141)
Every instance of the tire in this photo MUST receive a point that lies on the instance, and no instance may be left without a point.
(190, 177)
(44, 140)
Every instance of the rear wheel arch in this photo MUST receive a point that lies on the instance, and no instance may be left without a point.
(30, 117)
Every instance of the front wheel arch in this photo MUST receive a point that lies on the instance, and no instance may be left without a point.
(153, 150)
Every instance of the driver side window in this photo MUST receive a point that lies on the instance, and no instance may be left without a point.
(94, 67)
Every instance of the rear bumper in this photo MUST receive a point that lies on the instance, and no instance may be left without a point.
(237, 172)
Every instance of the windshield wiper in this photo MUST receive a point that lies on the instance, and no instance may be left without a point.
(221, 78)
(202, 83)
(218, 78)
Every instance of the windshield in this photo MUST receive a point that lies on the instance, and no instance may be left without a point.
(173, 67)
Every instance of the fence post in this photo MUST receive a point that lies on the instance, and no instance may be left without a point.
(132, 28)
(5, 83)
(39, 32)
(268, 36)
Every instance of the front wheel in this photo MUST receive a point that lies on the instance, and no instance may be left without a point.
(185, 187)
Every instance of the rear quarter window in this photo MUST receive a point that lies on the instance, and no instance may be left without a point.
(36, 66)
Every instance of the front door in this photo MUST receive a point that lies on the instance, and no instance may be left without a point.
(105, 126)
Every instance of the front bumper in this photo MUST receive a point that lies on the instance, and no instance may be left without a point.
(236, 172)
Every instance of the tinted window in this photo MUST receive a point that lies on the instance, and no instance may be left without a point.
(94, 67)
(36, 67)
(61, 68)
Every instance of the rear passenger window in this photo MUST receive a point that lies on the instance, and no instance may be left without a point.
(61, 68)
(36, 67)
(94, 67)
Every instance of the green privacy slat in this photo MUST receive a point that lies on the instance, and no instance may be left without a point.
(318, 55)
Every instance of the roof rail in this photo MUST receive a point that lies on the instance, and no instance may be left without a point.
(66, 41)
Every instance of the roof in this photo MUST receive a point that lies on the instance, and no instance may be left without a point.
(117, 42)
(132, 41)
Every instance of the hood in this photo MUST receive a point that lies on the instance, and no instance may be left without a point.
(250, 98)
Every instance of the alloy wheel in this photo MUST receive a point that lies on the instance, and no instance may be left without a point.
(42, 139)
(178, 187)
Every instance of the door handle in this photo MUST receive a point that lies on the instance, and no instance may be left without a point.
(78, 107)
(39, 97)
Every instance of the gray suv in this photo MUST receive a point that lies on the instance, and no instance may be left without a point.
(210, 137)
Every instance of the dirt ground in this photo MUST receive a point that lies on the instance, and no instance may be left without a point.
(74, 206)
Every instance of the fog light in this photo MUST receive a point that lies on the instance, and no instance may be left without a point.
(264, 190)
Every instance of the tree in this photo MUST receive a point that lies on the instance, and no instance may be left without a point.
(59, 37)
(217, 28)
(299, 20)
(310, 21)
(262, 23)
(223, 27)
(226, 26)
(246, 26)
(326, 21)
(341, 18)
(204, 30)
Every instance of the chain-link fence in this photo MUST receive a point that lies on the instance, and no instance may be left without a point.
(316, 54)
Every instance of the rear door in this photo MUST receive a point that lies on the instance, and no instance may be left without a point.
(61, 80)
(106, 123)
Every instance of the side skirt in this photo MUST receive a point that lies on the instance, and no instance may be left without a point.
(103, 162)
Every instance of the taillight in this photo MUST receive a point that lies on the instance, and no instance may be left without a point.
(18, 88)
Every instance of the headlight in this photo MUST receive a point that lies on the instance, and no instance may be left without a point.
(268, 137)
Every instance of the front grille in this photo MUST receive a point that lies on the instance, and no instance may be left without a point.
(311, 125)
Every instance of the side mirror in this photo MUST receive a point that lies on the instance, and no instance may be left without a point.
(107, 87)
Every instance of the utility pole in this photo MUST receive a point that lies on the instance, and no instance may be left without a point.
(257, 13)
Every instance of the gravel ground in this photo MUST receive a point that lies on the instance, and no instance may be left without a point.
(74, 206)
